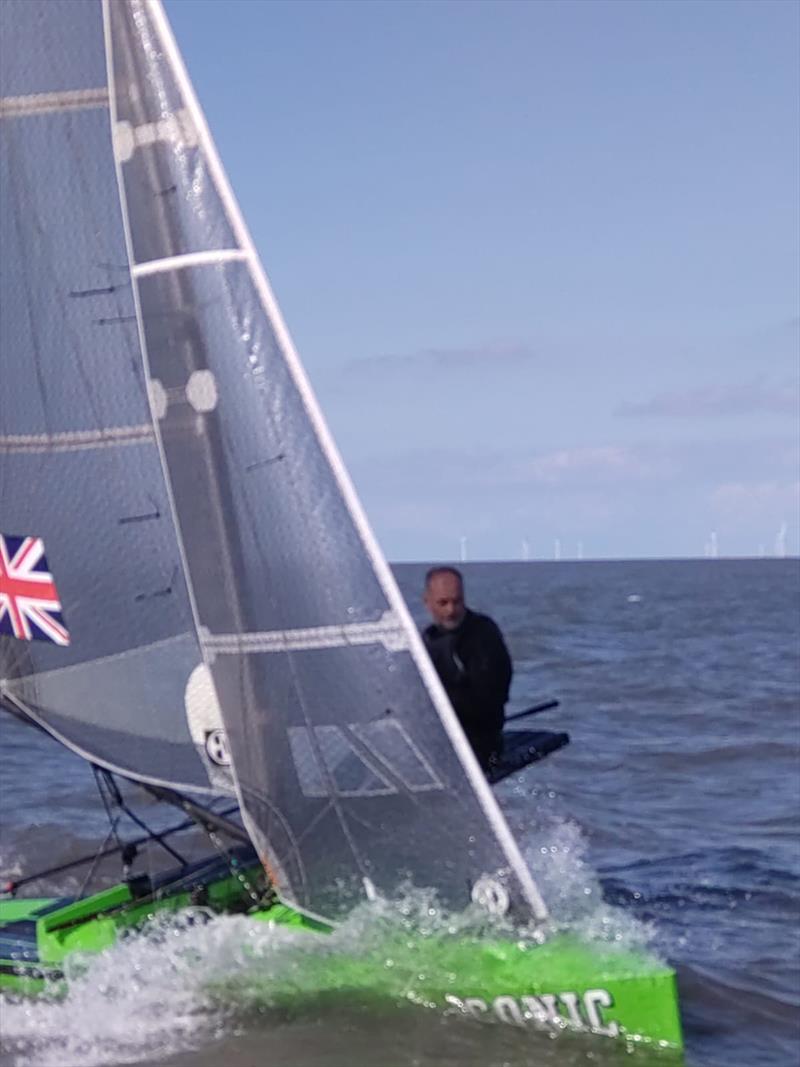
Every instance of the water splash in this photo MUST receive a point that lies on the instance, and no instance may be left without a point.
(557, 852)
(142, 998)
(180, 985)
(177, 985)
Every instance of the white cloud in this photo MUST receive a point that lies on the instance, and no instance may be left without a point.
(771, 499)
(460, 357)
(756, 397)
(688, 464)
(607, 462)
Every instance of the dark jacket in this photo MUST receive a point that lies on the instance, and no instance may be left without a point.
(475, 668)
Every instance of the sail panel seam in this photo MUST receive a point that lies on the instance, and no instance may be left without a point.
(13, 107)
(387, 632)
(188, 259)
(73, 440)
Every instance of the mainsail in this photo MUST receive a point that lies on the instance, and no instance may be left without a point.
(213, 563)
(79, 462)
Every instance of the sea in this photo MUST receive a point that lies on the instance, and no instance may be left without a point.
(672, 819)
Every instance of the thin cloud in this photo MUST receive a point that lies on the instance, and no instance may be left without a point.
(757, 498)
(459, 474)
(719, 400)
(456, 358)
(455, 473)
(571, 465)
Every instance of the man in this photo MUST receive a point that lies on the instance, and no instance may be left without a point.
(470, 657)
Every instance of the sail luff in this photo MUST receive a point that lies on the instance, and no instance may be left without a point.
(431, 680)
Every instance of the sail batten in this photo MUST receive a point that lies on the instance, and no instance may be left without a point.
(386, 631)
(188, 259)
(72, 440)
(12, 107)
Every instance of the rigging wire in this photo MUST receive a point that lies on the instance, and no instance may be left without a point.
(101, 774)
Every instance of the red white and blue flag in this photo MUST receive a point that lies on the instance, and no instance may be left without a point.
(29, 606)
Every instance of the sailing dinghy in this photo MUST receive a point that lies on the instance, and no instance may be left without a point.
(190, 595)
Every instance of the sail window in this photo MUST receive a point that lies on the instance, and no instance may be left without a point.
(309, 773)
(390, 743)
(350, 774)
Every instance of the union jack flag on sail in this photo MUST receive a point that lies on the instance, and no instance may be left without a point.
(29, 606)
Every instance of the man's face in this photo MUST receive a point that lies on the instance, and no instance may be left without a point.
(444, 599)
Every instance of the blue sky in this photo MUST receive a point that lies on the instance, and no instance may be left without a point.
(541, 260)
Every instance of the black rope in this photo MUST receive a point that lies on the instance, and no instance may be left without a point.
(113, 789)
(207, 819)
(90, 873)
(79, 862)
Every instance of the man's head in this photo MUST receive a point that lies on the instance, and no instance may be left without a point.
(444, 596)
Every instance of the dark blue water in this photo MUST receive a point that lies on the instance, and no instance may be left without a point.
(673, 815)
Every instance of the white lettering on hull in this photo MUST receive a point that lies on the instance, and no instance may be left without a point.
(567, 1009)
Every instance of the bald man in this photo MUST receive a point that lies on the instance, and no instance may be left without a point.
(471, 658)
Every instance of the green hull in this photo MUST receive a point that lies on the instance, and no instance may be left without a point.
(561, 984)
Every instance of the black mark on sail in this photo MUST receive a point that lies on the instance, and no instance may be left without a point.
(114, 321)
(105, 290)
(167, 191)
(378, 718)
(265, 462)
(155, 513)
(166, 591)
(140, 518)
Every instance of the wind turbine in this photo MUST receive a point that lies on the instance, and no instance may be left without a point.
(780, 542)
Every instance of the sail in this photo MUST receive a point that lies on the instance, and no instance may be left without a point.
(83, 501)
(351, 770)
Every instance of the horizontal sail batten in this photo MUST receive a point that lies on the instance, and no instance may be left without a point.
(188, 259)
(387, 631)
(14, 107)
(76, 440)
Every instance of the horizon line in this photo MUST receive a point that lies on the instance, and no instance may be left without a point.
(597, 559)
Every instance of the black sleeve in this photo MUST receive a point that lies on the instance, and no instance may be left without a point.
(489, 668)
(500, 668)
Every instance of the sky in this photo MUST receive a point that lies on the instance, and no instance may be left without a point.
(541, 260)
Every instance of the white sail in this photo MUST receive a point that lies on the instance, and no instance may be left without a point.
(351, 769)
